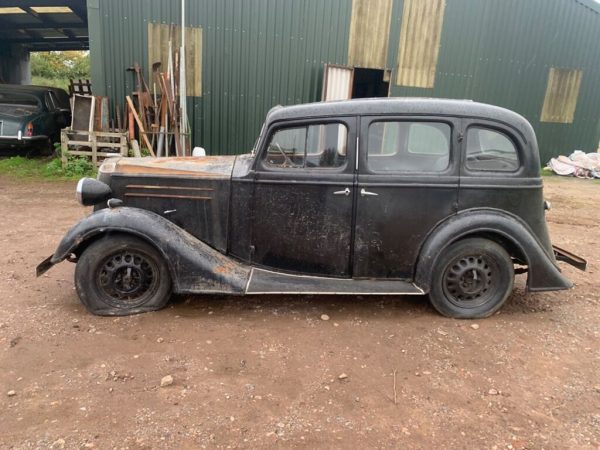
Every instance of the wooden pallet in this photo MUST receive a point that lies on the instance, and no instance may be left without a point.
(92, 140)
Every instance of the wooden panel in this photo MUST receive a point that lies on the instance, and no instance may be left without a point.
(369, 33)
(419, 46)
(158, 51)
(562, 91)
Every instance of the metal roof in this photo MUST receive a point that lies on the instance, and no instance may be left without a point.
(43, 25)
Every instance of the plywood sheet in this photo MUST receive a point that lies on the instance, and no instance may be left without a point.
(562, 91)
(158, 51)
(420, 36)
(369, 33)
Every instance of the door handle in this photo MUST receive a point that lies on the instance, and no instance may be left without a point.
(364, 192)
(345, 192)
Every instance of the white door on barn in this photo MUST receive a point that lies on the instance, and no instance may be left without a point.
(337, 82)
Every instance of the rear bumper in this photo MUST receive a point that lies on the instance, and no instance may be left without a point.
(569, 258)
(21, 141)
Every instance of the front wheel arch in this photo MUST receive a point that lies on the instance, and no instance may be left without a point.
(88, 240)
(121, 274)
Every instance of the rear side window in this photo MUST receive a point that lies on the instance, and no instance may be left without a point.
(312, 146)
(408, 146)
(492, 150)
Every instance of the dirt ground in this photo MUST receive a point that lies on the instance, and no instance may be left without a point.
(263, 372)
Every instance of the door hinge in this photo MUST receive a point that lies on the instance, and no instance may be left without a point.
(460, 137)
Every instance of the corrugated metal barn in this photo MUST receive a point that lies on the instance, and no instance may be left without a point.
(540, 58)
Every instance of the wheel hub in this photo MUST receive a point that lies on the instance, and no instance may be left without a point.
(125, 277)
(468, 279)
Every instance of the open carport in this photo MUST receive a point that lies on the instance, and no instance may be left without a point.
(38, 25)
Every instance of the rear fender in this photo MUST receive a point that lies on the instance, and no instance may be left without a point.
(195, 267)
(543, 273)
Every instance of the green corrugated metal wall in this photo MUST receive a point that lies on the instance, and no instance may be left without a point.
(259, 53)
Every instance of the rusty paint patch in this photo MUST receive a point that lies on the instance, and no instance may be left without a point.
(205, 166)
(225, 268)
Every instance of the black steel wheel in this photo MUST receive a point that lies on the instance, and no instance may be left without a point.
(472, 279)
(121, 275)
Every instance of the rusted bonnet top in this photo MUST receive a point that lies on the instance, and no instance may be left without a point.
(203, 166)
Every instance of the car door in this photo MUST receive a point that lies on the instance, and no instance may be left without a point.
(407, 183)
(303, 197)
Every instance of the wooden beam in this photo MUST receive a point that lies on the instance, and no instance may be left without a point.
(140, 125)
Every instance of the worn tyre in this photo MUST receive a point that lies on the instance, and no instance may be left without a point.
(472, 279)
(119, 275)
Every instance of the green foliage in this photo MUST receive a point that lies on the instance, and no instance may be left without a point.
(56, 68)
(20, 167)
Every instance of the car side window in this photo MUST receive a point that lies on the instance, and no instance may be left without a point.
(488, 149)
(312, 146)
(401, 146)
(50, 104)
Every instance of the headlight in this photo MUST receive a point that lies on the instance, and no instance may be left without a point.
(90, 192)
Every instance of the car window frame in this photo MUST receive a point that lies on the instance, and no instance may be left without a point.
(347, 121)
(453, 156)
(499, 128)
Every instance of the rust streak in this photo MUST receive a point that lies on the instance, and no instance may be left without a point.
(141, 186)
(189, 197)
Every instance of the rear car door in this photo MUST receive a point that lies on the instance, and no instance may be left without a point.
(303, 197)
(407, 182)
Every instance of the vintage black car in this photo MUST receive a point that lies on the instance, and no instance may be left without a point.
(378, 196)
(31, 117)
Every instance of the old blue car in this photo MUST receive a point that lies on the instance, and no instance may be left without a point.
(31, 117)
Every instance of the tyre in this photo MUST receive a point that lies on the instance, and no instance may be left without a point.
(119, 275)
(472, 279)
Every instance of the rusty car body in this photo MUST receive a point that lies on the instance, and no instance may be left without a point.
(375, 196)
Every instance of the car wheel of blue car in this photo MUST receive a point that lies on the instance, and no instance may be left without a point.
(472, 279)
(122, 275)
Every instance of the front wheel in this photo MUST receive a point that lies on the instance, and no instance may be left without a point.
(472, 279)
(120, 275)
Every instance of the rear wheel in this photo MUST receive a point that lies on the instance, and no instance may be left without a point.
(472, 279)
(122, 275)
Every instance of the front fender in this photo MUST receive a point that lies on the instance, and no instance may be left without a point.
(195, 267)
(543, 274)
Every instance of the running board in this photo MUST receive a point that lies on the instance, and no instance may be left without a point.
(266, 282)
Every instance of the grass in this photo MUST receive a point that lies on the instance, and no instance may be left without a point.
(54, 82)
(46, 168)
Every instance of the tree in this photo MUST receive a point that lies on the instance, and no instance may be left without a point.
(60, 65)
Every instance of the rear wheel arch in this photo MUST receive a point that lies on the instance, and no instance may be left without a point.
(468, 225)
(511, 246)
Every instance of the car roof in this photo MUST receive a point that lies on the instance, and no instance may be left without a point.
(31, 89)
(38, 91)
(401, 105)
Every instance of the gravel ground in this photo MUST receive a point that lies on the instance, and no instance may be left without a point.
(263, 372)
